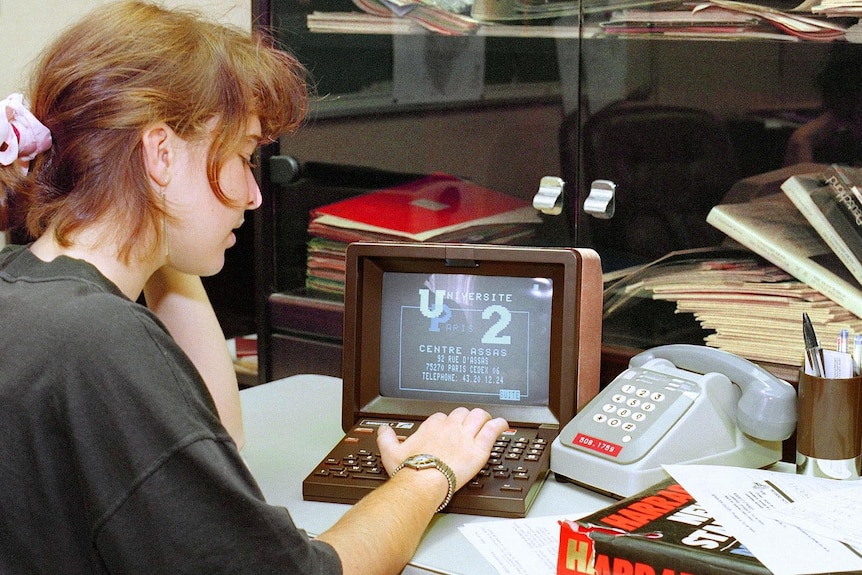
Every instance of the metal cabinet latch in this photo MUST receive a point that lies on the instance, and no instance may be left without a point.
(600, 202)
(549, 198)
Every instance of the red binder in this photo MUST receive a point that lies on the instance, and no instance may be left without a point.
(438, 206)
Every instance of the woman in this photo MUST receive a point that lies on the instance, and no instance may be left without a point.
(834, 136)
(121, 423)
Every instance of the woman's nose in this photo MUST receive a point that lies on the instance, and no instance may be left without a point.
(255, 199)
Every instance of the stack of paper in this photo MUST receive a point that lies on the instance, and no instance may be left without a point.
(835, 8)
(702, 21)
(749, 306)
(794, 24)
(359, 23)
(794, 524)
(759, 320)
(725, 19)
(424, 15)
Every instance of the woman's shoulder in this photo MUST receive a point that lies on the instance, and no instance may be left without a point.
(69, 304)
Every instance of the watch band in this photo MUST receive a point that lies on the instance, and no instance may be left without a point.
(426, 461)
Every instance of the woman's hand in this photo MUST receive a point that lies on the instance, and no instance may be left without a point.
(805, 139)
(380, 533)
(462, 440)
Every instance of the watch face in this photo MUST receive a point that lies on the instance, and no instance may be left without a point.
(420, 462)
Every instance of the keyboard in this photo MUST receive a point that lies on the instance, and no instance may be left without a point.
(505, 487)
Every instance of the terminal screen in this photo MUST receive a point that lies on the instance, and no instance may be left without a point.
(466, 338)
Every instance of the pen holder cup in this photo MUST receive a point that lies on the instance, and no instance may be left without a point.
(829, 427)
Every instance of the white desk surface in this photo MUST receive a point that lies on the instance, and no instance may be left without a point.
(291, 424)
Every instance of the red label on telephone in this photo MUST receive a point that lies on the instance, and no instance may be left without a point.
(596, 444)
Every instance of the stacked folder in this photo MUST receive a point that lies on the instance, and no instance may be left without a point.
(438, 207)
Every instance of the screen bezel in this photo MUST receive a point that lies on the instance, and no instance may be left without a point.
(366, 265)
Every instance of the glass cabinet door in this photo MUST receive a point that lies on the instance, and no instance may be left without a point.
(673, 112)
(677, 113)
(676, 122)
(485, 106)
(671, 105)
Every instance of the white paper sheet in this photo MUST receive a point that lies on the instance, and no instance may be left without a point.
(742, 500)
(836, 515)
(518, 546)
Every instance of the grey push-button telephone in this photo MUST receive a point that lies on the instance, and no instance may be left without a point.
(675, 404)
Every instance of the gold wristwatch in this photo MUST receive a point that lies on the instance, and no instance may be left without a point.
(425, 461)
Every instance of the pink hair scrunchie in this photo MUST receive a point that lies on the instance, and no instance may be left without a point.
(22, 136)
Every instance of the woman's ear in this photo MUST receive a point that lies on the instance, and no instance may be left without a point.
(158, 141)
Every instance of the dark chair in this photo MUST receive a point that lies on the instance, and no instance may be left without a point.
(670, 164)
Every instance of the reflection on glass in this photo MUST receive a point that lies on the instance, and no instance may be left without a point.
(834, 135)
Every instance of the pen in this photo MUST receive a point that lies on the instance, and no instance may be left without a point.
(857, 354)
(843, 341)
(812, 347)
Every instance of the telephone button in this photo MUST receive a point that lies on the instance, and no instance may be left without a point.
(629, 426)
(648, 407)
(623, 412)
(618, 398)
(614, 422)
(628, 388)
(658, 396)
(642, 392)
(633, 402)
(638, 416)
(600, 418)
(609, 408)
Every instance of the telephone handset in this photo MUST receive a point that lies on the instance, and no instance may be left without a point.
(674, 404)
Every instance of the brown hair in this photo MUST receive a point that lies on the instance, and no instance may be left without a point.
(128, 66)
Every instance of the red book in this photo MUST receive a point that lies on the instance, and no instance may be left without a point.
(660, 531)
(439, 207)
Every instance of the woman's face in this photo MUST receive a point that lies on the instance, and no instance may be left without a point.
(201, 227)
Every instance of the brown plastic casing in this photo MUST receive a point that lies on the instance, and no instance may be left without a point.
(513, 476)
(575, 330)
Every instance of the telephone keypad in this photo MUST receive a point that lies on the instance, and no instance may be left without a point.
(637, 410)
(634, 408)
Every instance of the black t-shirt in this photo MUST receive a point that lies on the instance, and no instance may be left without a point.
(112, 457)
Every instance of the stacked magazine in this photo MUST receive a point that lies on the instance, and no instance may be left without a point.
(812, 230)
(722, 19)
(744, 304)
(393, 17)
